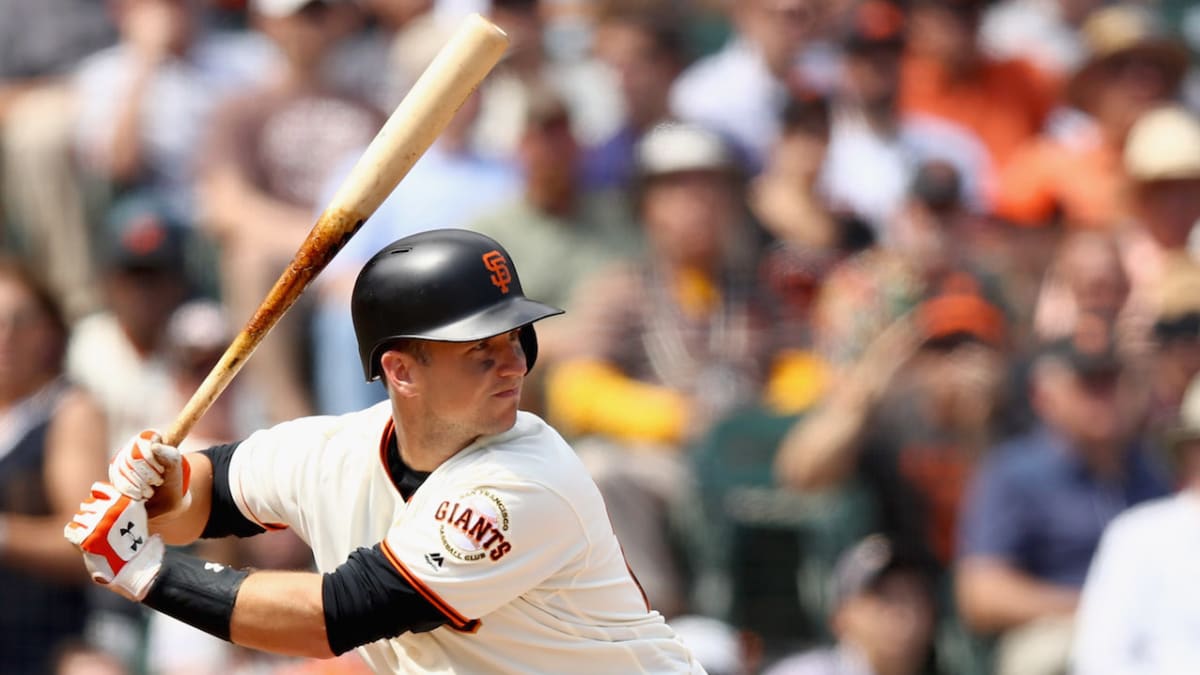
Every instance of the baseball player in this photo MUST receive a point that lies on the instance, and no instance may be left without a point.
(451, 532)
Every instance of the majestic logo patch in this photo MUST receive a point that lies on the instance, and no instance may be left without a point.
(501, 276)
(435, 560)
(474, 526)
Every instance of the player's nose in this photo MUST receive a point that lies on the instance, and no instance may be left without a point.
(512, 357)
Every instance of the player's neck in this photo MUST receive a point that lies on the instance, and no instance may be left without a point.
(425, 446)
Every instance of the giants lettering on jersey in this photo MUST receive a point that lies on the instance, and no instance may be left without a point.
(474, 526)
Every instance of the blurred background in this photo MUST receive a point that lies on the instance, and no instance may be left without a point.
(883, 316)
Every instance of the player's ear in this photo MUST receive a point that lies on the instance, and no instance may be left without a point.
(396, 368)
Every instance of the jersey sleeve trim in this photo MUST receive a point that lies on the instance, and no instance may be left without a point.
(636, 582)
(456, 620)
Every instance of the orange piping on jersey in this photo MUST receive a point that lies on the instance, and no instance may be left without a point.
(267, 526)
(457, 621)
(633, 576)
(389, 432)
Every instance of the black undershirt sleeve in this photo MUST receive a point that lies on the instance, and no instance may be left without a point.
(365, 599)
(224, 517)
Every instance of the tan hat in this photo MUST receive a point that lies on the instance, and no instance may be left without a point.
(1164, 144)
(1118, 31)
(674, 147)
(1186, 427)
(1177, 294)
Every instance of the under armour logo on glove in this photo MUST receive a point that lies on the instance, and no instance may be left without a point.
(128, 531)
(114, 554)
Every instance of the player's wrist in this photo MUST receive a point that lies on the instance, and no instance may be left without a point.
(137, 576)
(4, 532)
(199, 593)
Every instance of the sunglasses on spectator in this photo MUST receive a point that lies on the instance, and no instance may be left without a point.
(1178, 329)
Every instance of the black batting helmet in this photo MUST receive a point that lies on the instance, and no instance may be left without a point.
(448, 285)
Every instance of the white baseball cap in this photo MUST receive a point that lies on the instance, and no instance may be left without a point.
(1164, 144)
(673, 147)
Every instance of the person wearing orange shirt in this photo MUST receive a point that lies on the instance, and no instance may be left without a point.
(1077, 174)
(947, 76)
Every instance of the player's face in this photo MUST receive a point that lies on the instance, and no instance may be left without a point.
(475, 385)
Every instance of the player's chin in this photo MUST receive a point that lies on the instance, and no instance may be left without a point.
(504, 412)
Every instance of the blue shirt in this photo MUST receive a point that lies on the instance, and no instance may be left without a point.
(610, 164)
(1036, 505)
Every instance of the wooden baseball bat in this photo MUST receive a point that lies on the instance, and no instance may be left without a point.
(454, 73)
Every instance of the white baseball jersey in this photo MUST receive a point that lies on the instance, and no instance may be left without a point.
(509, 538)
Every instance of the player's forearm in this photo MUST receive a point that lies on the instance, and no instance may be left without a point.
(186, 526)
(281, 612)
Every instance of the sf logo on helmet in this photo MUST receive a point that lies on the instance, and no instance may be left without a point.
(501, 276)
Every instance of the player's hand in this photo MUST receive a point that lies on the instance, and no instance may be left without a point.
(118, 549)
(149, 470)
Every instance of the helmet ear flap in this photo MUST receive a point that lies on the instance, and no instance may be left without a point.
(529, 345)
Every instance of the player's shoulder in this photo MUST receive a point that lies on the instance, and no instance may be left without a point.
(323, 431)
(530, 451)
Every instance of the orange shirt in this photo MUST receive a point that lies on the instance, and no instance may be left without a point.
(1082, 182)
(1005, 103)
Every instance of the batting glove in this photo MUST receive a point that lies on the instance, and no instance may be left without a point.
(118, 549)
(146, 468)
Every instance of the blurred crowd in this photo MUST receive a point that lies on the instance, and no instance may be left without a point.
(883, 316)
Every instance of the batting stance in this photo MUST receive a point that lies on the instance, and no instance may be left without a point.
(452, 532)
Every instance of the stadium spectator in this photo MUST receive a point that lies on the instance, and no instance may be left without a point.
(741, 90)
(1038, 504)
(668, 344)
(866, 291)
(874, 151)
(883, 616)
(913, 418)
(785, 196)
(43, 213)
(645, 52)
(1087, 280)
(556, 217)
(1173, 342)
(1137, 601)
(259, 182)
(587, 91)
(947, 76)
(118, 353)
(1074, 173)
(52, 446)
(143, 104)
(1162, 159)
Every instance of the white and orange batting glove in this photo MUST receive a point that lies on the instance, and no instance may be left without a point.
(118, 549)
(145, 467)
